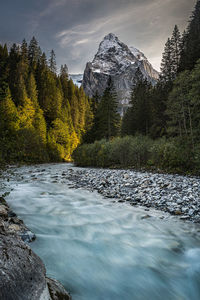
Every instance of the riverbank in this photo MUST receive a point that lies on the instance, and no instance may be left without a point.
(175, 194)
(22, 273)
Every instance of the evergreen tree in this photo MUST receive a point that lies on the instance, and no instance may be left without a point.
(175, 51)
(33, 53)
(14, 58)
(9, 125)
(159, 97)
(191, 51)
(127, 123)
(52, 62)
(4, 71)
(9, 119)
(166, 63)
(179, 107)
(108, 119)
(138, 118)
(64, 71)
(44, 116)
(32, 89)
(24, 63)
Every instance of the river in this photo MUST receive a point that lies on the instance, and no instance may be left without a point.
(101, 250)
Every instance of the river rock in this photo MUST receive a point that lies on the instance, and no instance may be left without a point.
(22, 273)
(57, 291)
(3, 211)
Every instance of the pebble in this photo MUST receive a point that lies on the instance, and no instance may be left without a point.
(178, 195)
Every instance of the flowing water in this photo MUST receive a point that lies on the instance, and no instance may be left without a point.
(102, 250)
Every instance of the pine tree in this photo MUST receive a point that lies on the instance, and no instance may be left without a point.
(64, 71)
(166, 63)
(4, 70)
(24, 63)
(64, 83)
(52, 62)
(127, 123)
(9, 119)
(32, 89)
(175, 51)
(108, 118)
(179, 106)
(137, 118)
(40, 125)
(45, 115)
(191, 51)
(9, 125)
(33, 53)
(14, 58)
(159, 97)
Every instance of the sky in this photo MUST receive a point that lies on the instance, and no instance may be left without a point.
(74, 28)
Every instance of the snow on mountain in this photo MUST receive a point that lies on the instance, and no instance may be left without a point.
(137, 53)
(117, 60)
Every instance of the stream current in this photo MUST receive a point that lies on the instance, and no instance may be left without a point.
(101, 250)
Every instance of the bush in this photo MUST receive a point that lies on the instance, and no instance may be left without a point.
(125, 152)
(172, 155)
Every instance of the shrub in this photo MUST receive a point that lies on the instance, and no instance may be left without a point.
(173, 155)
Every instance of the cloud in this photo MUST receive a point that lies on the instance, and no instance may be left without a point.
(51, 7)
(74, 28)
(126, 23)
(84, 41)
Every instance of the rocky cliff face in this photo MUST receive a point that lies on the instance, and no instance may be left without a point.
(117, 60)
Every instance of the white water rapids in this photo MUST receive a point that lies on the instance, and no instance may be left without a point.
(102, 250)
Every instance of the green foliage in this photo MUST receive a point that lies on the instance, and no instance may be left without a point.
(183, 106)
(106, 123)
(125, 152)
(190, 53)
(171, 57)
(138, 117)
(171, 155)
(43, 116)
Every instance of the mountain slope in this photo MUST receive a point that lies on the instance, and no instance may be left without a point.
(117, 60)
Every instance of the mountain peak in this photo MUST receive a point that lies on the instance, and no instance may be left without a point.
(111, 37)
(116, 59)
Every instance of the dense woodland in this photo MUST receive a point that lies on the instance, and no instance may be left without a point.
(43, 116)
(161, 129)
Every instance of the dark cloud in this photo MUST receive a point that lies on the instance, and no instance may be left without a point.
(74, 28)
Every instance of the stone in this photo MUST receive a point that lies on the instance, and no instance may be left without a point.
(191, 212)
(22, 273)
(57, 291)
(145, 217)
(14, 227)
(3, 211)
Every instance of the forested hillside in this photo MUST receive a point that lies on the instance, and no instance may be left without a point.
(43, 115)
(163, 121)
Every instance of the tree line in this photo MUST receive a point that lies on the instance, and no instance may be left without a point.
(43, 115)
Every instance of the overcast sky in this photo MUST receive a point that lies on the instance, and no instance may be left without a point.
(74, 28)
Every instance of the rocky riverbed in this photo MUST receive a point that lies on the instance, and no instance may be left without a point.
(177, 195)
